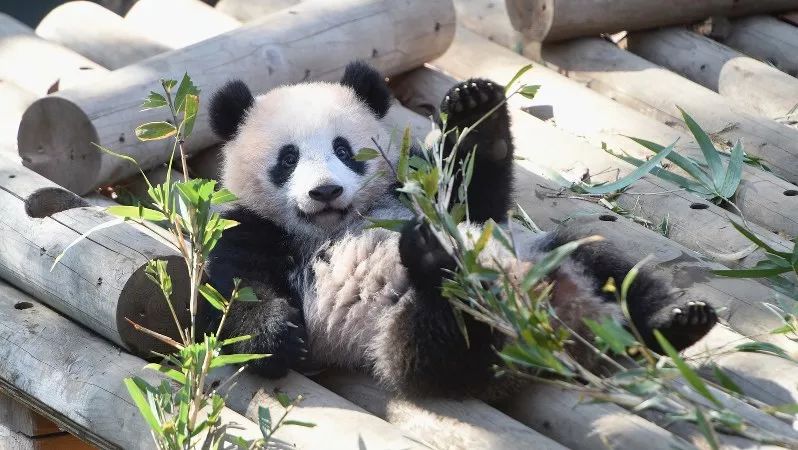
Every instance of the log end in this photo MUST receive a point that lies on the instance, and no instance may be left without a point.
(533, 18)
(142, 303)
(55, 140)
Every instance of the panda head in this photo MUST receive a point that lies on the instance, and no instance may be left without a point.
(289, 153)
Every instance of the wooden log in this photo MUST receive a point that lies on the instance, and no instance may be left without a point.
(99, 282)
(489, 18)
(766, 39)
(443, 423)
(748, 84)
(553, 20)
(24, 428)
(655, 91)
(246, 10)
(790, 17)
(14, 100)
(704, 230)
(98, 34)
(56, 132)
(340, 424)
(39, 66)
(82, 391)
(178, 23)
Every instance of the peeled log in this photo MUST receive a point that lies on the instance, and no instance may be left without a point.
(37, 65)
(654, 91)
(73, 377)
(57, 131)
(98, 34)
(246, 10)
(100, 281)
(766, 39)
(553, 20)
(748, 84)
(178, 23)
(14, 100)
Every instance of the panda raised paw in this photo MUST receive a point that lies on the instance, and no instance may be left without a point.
(467, 102)
(688, 323)
(423, 255)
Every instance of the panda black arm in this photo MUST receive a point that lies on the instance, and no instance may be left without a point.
(257, 252)
(490, 190)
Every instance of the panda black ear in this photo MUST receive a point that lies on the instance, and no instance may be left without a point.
(229, 106)
(369, 85)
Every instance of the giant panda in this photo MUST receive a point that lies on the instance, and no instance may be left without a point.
(334, 292)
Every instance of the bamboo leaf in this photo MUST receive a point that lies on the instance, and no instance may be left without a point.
(366, 154)
(222, 196)
(239, 358)
(706, 429)
(726, 380)
(403, 165)
(169, 372)
(299, 423)
(185, 89)
(154, 100)
(137, 395)
(213, 296)
(734, 173)
(689, 374)
(236, 339)
(707, 148)
(246, 294)
(684, 163)
(264, 421)
(136, 212)
(154, 131)
(763, 347)
(551, 261)
(515, 77)
(751, 273)
(190, 114)
(84, 236)
(284, 399)
(633, 176)
(529, 91)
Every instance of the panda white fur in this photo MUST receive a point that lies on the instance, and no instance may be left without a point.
(334, 293)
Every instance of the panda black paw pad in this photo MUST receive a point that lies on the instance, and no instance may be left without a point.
(688, 323)
(422, 254)
(469, 101)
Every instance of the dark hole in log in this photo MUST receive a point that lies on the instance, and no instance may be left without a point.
(608, 218)
(47, 201)
(699, 206)
(790, 192)
(23, 305)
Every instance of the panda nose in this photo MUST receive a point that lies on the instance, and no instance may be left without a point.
(326, 192)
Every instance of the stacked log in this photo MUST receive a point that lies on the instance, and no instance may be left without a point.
(15, 101)
(748, 84)
(766, 39)
(392, 37)
(178, 23)
(246, 10)
(100, 282)
(552, 20)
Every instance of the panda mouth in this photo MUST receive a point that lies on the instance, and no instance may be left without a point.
(325, 214)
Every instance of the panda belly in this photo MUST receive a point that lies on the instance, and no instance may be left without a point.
(351, 286)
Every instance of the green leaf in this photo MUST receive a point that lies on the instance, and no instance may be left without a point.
(611, 334)
(707, 148)
(487, 230)
(299, 423)
(246, 294)
(750, 273)
(706, 429)
(240, 358)
(185, 89)
(236, 339)
(136, 212)
(388, 224)
(515, 77)
(633, 176)
(213, 296)
(529, 91)
(264, 421)
(168, 85)
(169, 372)
(190, 114)
(223, 196)
(734, 173)
(284, 399)
(790, 408)
(550, 261)
(153, 101)
(366, 154)
(154, 131)
(404, 157)
(763, 347)
(137, 395)
(689, 374)
(684, 163)
(726, 380)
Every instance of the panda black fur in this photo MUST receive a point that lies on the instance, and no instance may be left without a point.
(336, 293)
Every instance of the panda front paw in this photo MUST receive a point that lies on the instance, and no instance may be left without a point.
(468, 102)
(425, 259)
(289, 351)
(684, 325)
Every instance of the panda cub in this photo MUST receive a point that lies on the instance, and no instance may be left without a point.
(334, 292)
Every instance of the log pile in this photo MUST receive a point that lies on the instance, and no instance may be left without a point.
(737, 80)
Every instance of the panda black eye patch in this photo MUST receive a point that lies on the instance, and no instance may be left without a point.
(287, 158)
(343, 151)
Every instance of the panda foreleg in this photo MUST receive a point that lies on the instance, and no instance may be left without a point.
(465, 104)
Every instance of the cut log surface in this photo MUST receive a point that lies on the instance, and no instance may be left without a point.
(767, 39)
(178, 23)
(100, 281)
(489, 18)
(40, 66)
(443, 423)
(98, 34)
(656, 92)
(57, 131)
(72, 377)
(552, 20)
(246, 10)
(748, 84)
